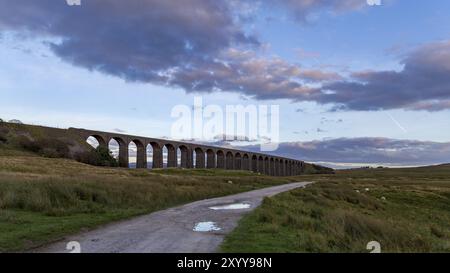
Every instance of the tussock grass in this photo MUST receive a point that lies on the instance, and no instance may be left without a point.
(337, 214)
(43, 199)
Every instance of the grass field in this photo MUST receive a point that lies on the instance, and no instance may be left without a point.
(43, 199)
(405, 210)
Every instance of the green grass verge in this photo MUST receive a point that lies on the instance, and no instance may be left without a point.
(405, 210)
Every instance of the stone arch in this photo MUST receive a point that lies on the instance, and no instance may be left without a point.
(272, 166)
(100, 140)
(123, 151)
(186, 157)
(157, 156)
(276, 167)
(261, 164)
(254, 164)
(171, 156)
(229, 164)
(220, 159)
(141, 154)
(210, 159)
(281, 167)
(266, 165)
(199, 158)
(238, 161)
(246, 162)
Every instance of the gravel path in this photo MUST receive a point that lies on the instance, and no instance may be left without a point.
(172, 230)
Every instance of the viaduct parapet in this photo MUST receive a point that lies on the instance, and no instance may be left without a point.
(205, 156)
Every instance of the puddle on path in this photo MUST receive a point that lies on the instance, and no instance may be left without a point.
(206, 226)
(231, 206)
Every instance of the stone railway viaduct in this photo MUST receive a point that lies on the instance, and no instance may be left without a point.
(205, 156)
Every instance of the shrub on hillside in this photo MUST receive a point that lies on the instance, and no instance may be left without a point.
(26, 143)
(100, 156)
(322, 170)
(53, 148)
(48, 147)
(3, 134)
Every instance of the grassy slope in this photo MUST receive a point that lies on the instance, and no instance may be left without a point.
(43, 199)
(331, 216)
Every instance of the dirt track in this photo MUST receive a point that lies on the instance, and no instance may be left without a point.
(171, 230)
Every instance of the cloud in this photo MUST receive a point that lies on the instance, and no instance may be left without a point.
(203, 46)
(422, 84)
(119, 130)
(363, 151)
(135, 40)
(301, 9)
(245, 72)
(199, 45)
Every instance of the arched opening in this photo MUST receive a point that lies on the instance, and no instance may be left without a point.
(229, 161)
(185, 157)
(276, 167)
(199, 158)
(238, 161)
(137, 154)
(210, 159)
(266, 166)
(149, 153)
(220, 160)
(282, 170)
(164, 153)
(132, 155)
(119, 150)
(245, 162)
(93, 142)
(113, 146)
(172, 161)
(254, 164)
(156, 155)
(96, 141)
(272, 166)
(261, 164)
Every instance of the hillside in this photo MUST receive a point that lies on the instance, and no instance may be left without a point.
(23, 139)
(44, 196)
(405, 210)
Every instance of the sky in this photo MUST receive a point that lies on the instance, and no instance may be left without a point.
(356, 84)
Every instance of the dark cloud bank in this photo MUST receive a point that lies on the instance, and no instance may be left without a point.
(202, 46)
(347, 152)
